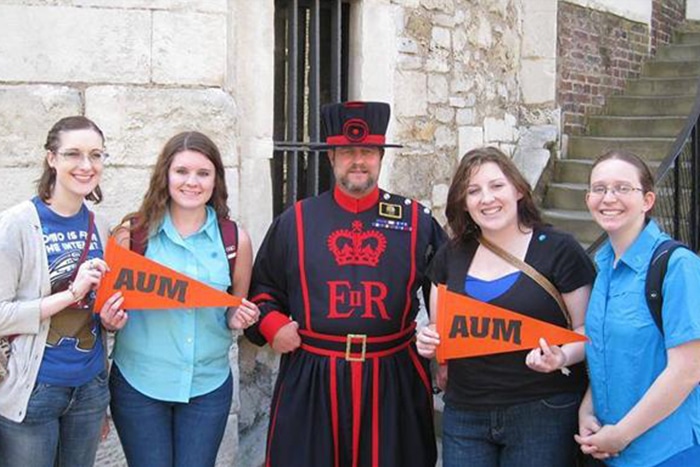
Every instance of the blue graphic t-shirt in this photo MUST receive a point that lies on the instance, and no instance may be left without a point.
(74, 354)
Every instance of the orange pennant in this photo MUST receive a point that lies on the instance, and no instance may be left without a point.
(146, 284)
(468, 328)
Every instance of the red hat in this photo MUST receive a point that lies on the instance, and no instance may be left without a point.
(355, 124)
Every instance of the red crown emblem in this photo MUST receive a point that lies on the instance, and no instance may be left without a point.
(357, 247)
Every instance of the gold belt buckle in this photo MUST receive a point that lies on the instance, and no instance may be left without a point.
(348, 347)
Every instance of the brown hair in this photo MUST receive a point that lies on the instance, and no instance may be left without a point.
(46, 182)
(152, 210)
(646, 178)
(459, 220)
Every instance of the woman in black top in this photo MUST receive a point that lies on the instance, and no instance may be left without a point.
(517, 408)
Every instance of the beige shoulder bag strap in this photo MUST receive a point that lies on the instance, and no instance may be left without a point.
(532, 273)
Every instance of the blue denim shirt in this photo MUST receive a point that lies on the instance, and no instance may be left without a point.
(626, 352)
(177, 354)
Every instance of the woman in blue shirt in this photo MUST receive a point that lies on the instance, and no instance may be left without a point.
(643, 404)
(171, 383)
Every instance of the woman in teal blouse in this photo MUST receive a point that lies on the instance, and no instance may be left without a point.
(171, 383)
(643, 404)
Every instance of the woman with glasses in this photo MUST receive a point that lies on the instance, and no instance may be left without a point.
(54, 396)
(643, 404)
(171, 380)
(517, 408)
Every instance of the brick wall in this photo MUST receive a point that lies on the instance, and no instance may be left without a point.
(666, 15)
(597, 53)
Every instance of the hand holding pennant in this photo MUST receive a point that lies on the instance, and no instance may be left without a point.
(146, 284)
(468, 328)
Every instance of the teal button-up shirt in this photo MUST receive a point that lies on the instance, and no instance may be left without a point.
(177, 354)
(626, 351)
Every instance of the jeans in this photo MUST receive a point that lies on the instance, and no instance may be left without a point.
(157, 433)
(533, 434)
(62, 426)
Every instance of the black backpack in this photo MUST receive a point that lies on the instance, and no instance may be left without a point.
(655, 278)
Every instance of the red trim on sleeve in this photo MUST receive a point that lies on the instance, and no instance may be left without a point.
(271, 323)
(302, 266)
(412, 275)
(260, 298)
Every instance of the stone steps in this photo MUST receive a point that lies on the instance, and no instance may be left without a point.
(636, 126)
(658, 105)
(645, 120)
(673, 86)
(589, 147)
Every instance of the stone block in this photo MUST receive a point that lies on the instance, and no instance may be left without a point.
(441, 38)
(189, 48)
(27, 113)
(438, 61)
(539, 35)
(411, 94)
(445, 6)
(233, 186)
(216, 6)
(137, 122)
(470, 137)
(502, 130)
(538, 78)
(466, 117)
(444, 137)
(444, 114)
(410, 62)
(65, 44)
(439, 195)
(407, 45)
(123, 189)
(447, 21)
(438, 89)
(532, 152)
(17, 184)
(255, 198)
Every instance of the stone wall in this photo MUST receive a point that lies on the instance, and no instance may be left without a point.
(598, 52)
(143, 70)
(458, 85)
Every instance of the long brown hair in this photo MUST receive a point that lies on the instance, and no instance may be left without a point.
(459, 220)
(46, 182)
(155, 202)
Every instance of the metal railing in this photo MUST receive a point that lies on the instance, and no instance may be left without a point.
(677, 180)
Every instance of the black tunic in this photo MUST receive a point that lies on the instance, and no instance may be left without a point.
(342, 266)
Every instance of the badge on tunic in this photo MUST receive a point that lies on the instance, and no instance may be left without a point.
(392, 211)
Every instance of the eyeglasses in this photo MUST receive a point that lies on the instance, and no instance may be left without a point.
(76, 157)
(620, 189)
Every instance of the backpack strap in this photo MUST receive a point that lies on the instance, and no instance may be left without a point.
(656, 273)
(138, 240)
(229, 235)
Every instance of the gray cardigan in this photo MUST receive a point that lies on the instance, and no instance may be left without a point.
(24, 281)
